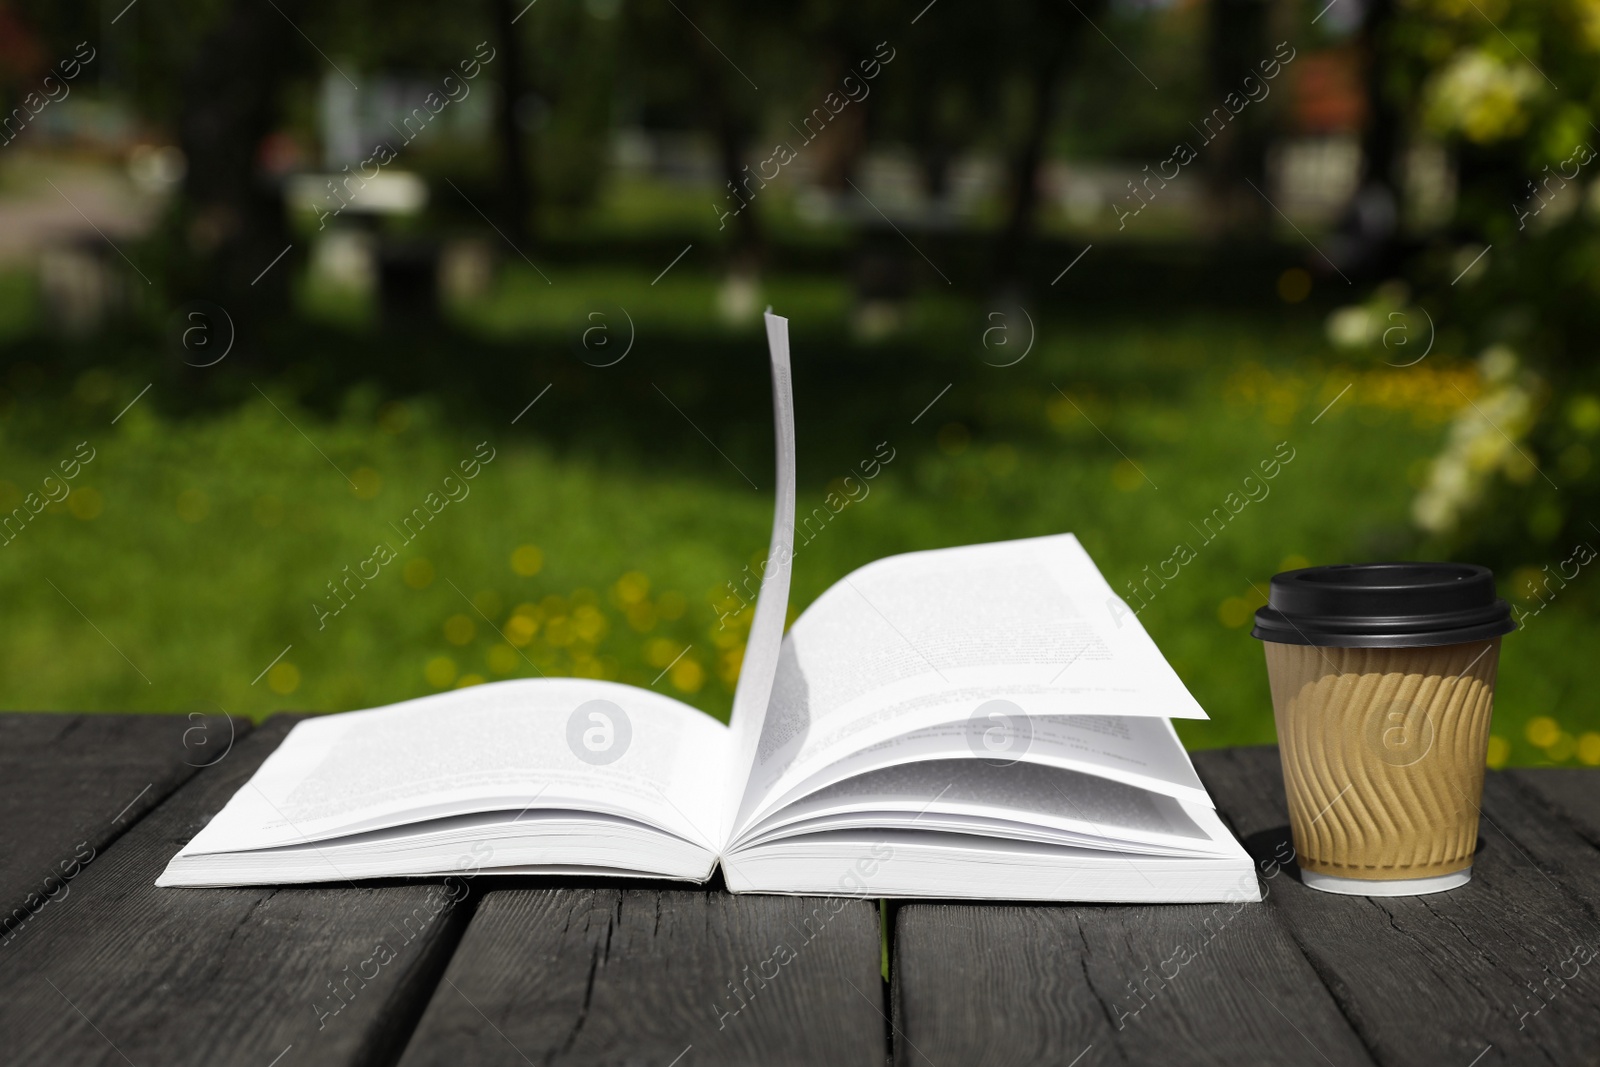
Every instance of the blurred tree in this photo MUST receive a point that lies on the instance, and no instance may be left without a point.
(1052, 35)
(732, 116)
(1515, 91)
(232, 219)
(1379, 200)
(700, 59)
(515, 187)
(22, 57)
(569, 110)
(223, 76)
(1236, 41)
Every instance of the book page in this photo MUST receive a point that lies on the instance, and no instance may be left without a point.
(541, 744)
(1095, 811)
(760, 663)
(893, 646)
(1137, 751)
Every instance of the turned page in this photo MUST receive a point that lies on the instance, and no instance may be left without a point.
(1134, 750)
(760, 663)
(943, 792)
(919, 640)
(531, 744)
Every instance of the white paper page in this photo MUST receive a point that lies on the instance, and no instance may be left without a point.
(485, 843)
(979, 825)
(1027, 793)
(1133, 750)
(919, 863)
(760, 663)
(506, 746)
(1030, 622)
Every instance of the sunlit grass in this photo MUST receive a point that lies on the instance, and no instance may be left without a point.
(190, 567)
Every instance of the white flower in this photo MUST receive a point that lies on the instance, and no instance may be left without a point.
(1482, 441)
(1481, 96)
(1350, 327)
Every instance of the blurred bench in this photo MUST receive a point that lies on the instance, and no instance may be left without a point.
(99, 967)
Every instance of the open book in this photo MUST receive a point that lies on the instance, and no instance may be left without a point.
(982, 722)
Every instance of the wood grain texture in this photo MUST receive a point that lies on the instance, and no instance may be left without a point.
(1572, 793)
(1507, 966)
(630, 976)
(121, 972)
(1090, 985)
(71, 784)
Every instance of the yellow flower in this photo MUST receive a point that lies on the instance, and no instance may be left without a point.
(1562, 748)
(1294, 285)
(503, 659)
(1499, 752)
(1001, 459)
(1583, 412)
(1542, 731)
(588, 623)
(688, 676)
(418, 573)
(642, 616)
(1588, 15)
(367, 482)
(86, 503)
(440, 671)
(527, 560)
(632, 587)
(728, 664)
(1126, 476)
(660, 651)
(283, 678)
(458, 629)
(520, 629)
(1234, 612)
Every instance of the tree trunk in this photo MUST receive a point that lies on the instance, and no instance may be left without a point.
(740, 190)
(1236, 43)
(1017, 233)
(730, 153)
(1380, 135)
(231, 220)
(515, 184)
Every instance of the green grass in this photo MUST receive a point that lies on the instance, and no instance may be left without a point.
(193, 548)
(19, 298)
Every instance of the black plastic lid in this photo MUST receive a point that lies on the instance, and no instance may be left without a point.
(1383, 605)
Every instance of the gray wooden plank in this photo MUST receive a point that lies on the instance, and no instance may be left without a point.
(1573, 793)
(122, 972)
(70, 784)
(644, 976)
(1502, 968)
(1002, 984)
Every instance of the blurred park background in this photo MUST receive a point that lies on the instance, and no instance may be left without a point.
(271, 270)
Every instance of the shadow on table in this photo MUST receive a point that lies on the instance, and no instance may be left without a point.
(1274, 847)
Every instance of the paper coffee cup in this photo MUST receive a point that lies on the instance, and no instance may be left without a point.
(1382, 682)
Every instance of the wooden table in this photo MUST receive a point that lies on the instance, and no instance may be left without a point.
(99, 967)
